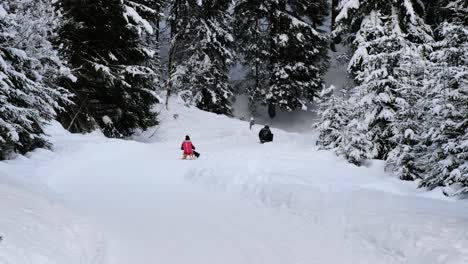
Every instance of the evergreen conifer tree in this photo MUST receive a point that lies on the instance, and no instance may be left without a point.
(252, 38)
(282, 43)
(152, 12)
(334, 115)
(201, 53)
(28, 67)
(354, 145)
(447, 157)
(104, 41)
(406, 158)
(298, 49)
(380, 33)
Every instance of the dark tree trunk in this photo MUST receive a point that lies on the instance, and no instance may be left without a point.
(334, 13)
(272, 110)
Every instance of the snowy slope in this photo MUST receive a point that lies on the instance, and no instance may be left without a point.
(241, 202)
(36, 231)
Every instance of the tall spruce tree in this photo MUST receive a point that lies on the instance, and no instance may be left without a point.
(151, 11)
(338, 131)
(406, 158)
(298, 49)
(333, 114)
(282, 43)
(201, 53)
(28, 68)
(373, 64)
(251, 31)
(104, 41)
(447, 156)
(380, 33)
(354, 145)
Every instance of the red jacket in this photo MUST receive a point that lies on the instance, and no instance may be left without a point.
(187, 147)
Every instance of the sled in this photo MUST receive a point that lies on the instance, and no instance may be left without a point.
(195, 156)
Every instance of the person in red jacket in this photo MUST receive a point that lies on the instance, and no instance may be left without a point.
(188, 148)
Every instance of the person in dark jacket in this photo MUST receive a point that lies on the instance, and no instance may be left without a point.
(265, 134)
(188, 148)
(252, 122)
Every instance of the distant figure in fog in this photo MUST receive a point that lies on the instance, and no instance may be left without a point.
(252, 122)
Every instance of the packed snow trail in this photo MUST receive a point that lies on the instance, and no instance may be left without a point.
(242, 202)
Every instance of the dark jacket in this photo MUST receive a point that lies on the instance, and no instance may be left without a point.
(265, 135)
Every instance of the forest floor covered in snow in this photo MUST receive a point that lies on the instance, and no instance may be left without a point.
(95, 200)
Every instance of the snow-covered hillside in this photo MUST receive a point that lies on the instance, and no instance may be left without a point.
(241, 202)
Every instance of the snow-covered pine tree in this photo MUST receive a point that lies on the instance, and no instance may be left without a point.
(201, 53)
(334, 115)
(340, 128)
(406, 159)
(28, 66)
(38, 21)
(373, 67)
(252, 39)
(447, 163)
(380, 31)
(178, 20)
(298, 51)
(151, 11)
(285, 49)
(104, 41)
(354, 145)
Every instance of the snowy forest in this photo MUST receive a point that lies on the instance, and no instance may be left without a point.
(104, 65)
